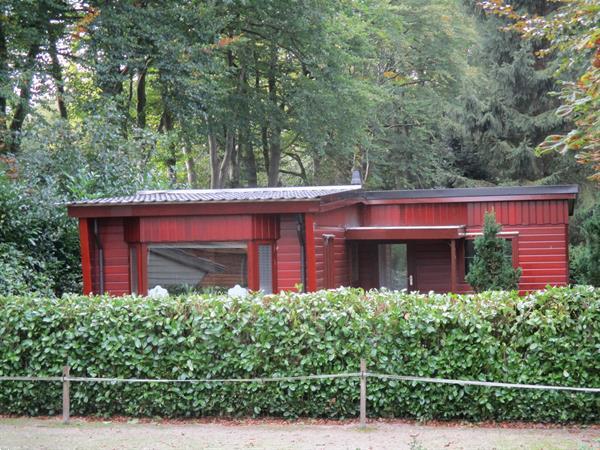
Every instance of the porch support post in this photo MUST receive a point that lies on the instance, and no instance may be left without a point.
(143, 269)
(453, 270)
(311, 257)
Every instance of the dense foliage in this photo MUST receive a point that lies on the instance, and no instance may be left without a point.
(585, 258)
(569, 31)
(492, 269)
(548, 337)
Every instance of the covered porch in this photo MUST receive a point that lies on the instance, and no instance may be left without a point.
(416, 258)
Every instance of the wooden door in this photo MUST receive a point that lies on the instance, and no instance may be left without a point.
(429, 266)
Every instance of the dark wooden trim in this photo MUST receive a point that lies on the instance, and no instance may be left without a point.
(329, 261)
(253, 269)
(143, 269)
(195, 209)
(311, 257)
(453, 268)
(86, 262)
(470, 199)
(514, 191)
(404, 233)
(274, 264)
(567, 253)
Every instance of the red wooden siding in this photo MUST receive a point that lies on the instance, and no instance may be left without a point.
(340, 257)
(542, 236)
(537, 212)
(207, 228)
(86, 261)
(542, 254)
(116, 257)
(415, 214)
(334, 223)
(288, 254)
(541, 246)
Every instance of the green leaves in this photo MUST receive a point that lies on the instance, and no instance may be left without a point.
(492, 265)
(548, 337)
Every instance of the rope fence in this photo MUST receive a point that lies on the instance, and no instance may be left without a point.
(66, 379)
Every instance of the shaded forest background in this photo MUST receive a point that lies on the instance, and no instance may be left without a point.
(103, 98)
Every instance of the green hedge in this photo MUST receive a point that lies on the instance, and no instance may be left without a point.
(551, 337)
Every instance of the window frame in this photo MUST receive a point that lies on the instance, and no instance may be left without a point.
(271, 245)
(254, 263)
(512, 236)
(147, 247)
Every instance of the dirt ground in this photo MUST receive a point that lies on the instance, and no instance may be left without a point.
(50, 433)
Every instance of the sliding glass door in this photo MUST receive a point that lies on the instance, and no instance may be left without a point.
(393, 266)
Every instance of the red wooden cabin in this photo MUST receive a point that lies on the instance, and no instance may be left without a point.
(318, 237)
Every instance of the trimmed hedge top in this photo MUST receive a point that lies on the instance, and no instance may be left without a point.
(550, 337)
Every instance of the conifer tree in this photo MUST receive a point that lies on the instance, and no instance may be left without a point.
(491, 269)
(508, 109)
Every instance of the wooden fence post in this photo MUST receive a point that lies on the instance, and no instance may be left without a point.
(363, 393)
(66, 398)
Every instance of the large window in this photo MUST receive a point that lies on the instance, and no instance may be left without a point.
(470, 252)
(206, 267)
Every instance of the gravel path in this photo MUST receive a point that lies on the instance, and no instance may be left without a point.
(26, 433)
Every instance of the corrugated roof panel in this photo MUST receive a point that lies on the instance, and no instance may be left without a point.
(221, 195)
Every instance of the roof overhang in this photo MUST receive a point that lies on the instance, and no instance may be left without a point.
(195, 209)
(405, 232)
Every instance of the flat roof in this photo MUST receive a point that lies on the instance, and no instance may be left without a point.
(472, 192)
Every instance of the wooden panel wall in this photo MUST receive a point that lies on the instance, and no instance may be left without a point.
(538, 212)
(340, 256)
(288, 254)
(208, 228)
(532, 212)
(415, 214)
(334, 223)
(542, 226)
(542, 254)
(116, 257)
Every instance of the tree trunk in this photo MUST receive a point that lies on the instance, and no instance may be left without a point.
(56, 71)
(141, 98)
(3, 74)
(226, 161)
(275, 138)
(234, 166)
(264, 137)
(247, 159)
(166, 125)
(274, 157)
(22, 108)
(190, 167)
(213, 150)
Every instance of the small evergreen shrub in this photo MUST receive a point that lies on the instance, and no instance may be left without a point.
(492, 268)
(548, 337)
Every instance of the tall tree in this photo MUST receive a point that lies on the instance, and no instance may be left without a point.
(508, 108)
